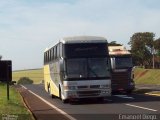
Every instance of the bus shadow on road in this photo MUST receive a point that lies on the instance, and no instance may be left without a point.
(143, 91)
(139, 96)
(85, 101)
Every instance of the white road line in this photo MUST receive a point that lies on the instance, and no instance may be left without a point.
(24, 87)
(154, 94)
(141, 107)
(124, 96)
(54, 107)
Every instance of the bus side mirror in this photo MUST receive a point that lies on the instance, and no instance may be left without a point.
(61, 65)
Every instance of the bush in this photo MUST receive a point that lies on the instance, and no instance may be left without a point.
(25, 80)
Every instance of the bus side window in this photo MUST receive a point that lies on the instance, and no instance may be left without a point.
(60, 50)
(45, 58)
(58, 54)
(55, 52)
(49, 56)
(52, 54)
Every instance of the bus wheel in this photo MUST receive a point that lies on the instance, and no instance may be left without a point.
(100, 99)
(60, 95)
(129, 91)
(49, 91)
(65, 101)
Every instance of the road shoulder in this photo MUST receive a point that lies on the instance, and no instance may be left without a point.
(39, 109)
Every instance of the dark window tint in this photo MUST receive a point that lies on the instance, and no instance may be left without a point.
(86, 50)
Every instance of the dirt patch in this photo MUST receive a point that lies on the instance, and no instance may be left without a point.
(142, 74)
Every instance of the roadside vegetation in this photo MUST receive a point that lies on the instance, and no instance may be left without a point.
(147, 76)
(145, 48)
(24, 80)
(14, 107)
(34, 74)
(142, 76)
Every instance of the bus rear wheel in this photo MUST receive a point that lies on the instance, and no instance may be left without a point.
(49, 91)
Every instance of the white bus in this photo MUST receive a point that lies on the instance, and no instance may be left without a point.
(78, 67)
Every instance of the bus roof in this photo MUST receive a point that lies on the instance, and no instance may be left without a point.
(80, 39)
(118, 50)
(83, 39)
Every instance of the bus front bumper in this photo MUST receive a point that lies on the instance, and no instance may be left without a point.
(87, 93)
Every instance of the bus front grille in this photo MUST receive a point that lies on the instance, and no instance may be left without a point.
(91, 86)
(88, 93)
(82, 87)
(95, 86)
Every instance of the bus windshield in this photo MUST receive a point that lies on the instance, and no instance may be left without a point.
(84, 50)
(123, 62)
(88, 68)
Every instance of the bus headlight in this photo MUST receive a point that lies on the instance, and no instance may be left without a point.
(104, 92)
(72, 94)
(70, 87)
(104, 86)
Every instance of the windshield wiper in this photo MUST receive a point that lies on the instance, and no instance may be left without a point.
(93, 71)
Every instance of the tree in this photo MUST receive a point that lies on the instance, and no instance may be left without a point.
(157, 46)
(0, 57)
(142, 48)
(114, 43)
(25, 80)
(157, 52)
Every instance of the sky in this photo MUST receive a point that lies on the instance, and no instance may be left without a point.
(27, 27)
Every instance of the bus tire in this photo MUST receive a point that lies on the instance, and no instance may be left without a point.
(65, 101)
(100, 99)
(49, 91)
(60, 95)
(129, 91)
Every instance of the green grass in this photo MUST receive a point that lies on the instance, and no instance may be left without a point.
(34, 74)
(142, 76)
(13, 106)
(147, 76)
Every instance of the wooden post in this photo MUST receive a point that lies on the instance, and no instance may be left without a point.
(7, 70)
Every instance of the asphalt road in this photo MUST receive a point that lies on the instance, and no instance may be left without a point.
(116, 107)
